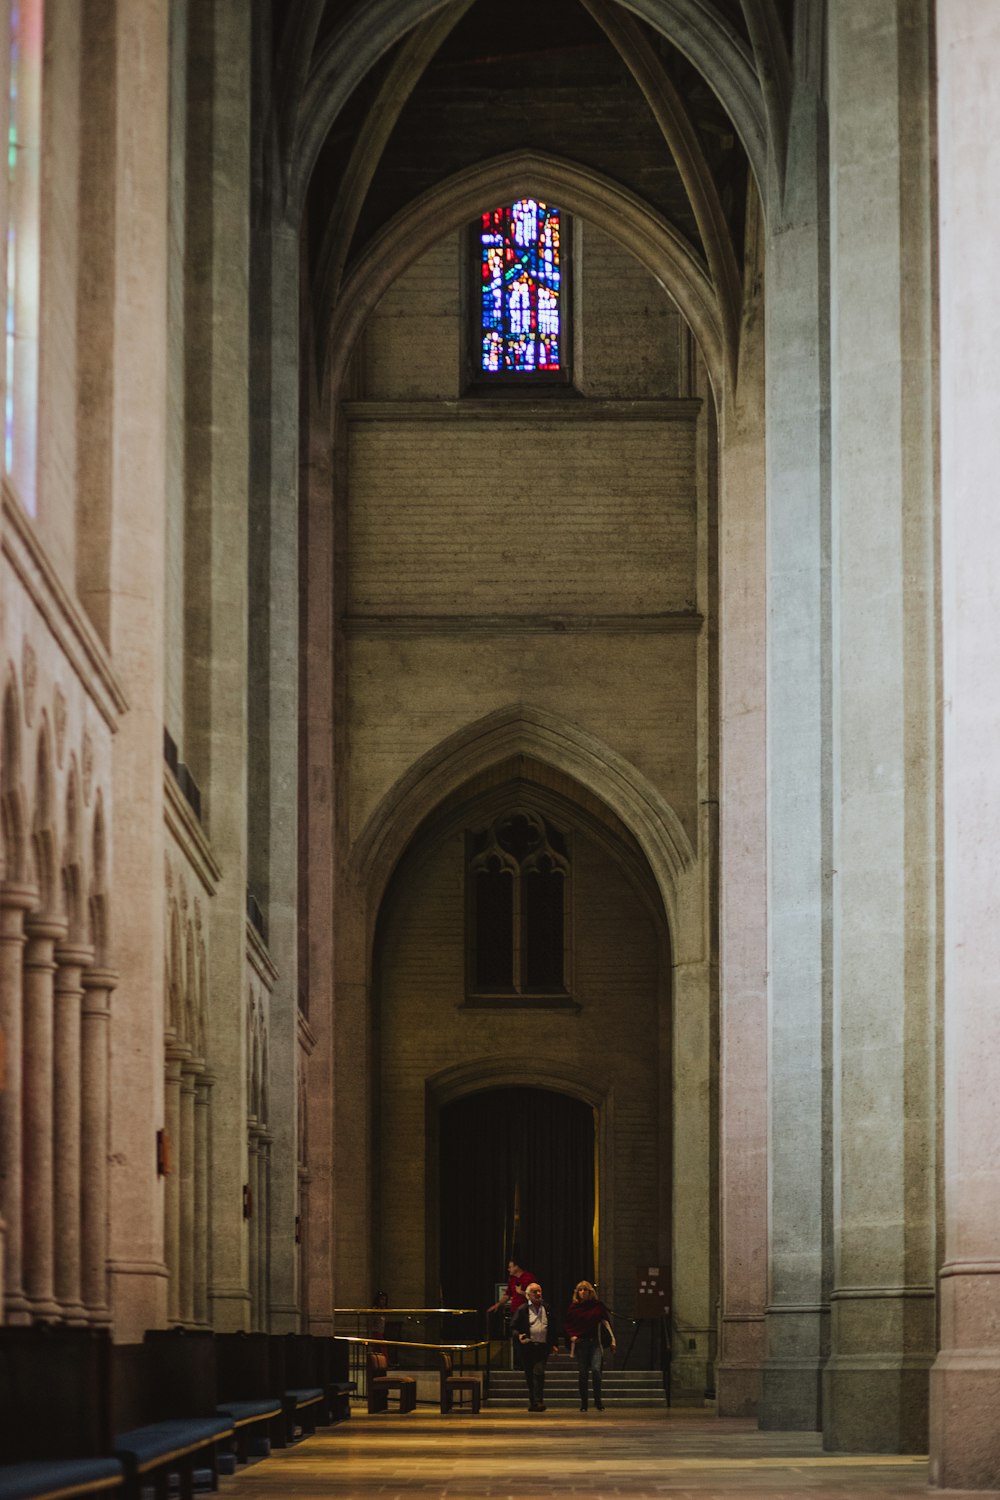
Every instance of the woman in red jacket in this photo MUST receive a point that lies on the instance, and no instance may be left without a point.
(585, 1318)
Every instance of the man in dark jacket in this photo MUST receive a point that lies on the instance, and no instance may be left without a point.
(533, 1328)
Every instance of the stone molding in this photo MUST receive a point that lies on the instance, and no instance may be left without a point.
(188, 835)
(676, 622)
(69, 625)
(260, 958)
(495, 409)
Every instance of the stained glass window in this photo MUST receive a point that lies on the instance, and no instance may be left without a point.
(522, 273)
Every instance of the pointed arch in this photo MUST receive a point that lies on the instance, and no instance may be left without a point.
(98, 904)
(457, 200)
(43, 836)
(12, 816)
(73, 879)
(694, 27)
(523, 729)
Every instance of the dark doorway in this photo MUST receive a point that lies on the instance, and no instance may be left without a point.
(517, 1178)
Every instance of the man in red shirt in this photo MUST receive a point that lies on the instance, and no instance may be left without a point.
(518, 1280)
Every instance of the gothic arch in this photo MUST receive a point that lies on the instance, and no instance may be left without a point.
(459, 198)
(522, 729)
(694, 27)
(73, 878)
(98, 885)
(43, 838)
(14, 855)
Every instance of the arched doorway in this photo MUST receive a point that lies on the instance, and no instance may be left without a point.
(518, 1177)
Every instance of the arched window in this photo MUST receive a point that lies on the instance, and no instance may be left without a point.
(520, 312)
(19, 211)
(517, 891)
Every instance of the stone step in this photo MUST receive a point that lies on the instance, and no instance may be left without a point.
(621, 1388)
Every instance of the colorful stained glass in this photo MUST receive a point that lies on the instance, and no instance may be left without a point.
(522, 289)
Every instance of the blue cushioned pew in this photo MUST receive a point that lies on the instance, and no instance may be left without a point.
(55, 1429)
(161, 1430)
(187, 1373)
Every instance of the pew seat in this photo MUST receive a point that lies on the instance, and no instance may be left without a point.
(61, 1478)
(154, 1452)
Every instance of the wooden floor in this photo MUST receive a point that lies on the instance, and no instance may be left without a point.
(677, 1454)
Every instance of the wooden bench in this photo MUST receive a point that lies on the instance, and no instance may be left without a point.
(245, 1390)
(453, 1385)
(334, 1375)
(380, 1383)
(55, 1423)
(159, 1430)
(185, 1380)
(293, 1375)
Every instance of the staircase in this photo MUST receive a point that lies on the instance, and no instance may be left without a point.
(621, 1388)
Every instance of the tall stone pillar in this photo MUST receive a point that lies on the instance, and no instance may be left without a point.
(123, 506)
(94, 1141)
(202, 1194)
(189, 1077)
(253, 1178)
(885, 946)
(67, 1122)
(38, 1140)
(965, 1380)
(172, 1196)
(14, 902)
(798, 722)
(263, 1211)
(216, 477)
(742, 857)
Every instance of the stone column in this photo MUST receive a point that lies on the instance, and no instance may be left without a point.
(743, 858)
(798, 738)
(67, 1123)
(39, 1249)
(14, 902)
(275, 779)
(202, 1195)
(172, 1199)
(965, 1380)
(189, 1076)
(253, 1178)
(262, 1208)
(218, 394)
(94, 1142)
(127, 45)
(885, 951)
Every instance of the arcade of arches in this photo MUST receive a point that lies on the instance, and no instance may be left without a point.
(385, 751)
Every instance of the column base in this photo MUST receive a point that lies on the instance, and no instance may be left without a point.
(965, 1381)
(739, 1373)
(738, 1390)
(875, 1389)
(791, 1398)
(875, 1405)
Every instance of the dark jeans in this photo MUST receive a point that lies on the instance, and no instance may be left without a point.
(534, 1357)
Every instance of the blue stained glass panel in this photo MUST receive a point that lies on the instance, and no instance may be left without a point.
(521, 289)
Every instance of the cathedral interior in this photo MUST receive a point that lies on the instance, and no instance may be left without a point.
(500, 697)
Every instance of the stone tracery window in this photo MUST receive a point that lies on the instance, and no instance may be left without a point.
(517, 891)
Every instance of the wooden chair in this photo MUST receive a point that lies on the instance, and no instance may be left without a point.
(452, 1384)
(380, 1383)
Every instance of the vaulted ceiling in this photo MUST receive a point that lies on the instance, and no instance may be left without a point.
(370, 107)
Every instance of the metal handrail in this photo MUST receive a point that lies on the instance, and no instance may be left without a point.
(375, 1338)
(363, 1341)
(381, 1311)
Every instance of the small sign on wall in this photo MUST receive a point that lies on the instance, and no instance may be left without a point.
(652, 1292)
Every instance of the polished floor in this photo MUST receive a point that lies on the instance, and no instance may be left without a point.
(676, 1454)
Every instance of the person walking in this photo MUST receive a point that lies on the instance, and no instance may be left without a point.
(534, 1329)
(585, 1318)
